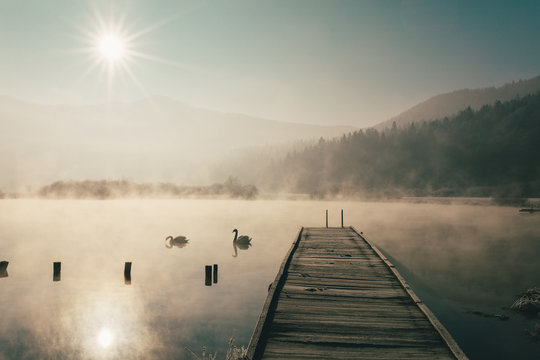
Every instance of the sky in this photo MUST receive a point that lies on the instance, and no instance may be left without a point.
(311, 61)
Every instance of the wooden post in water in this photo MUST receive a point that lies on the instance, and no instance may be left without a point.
(127, 273)
(215, 273)
(56, 271)
(3, 268)
(208, 275)
(326, 217)
(341, 217)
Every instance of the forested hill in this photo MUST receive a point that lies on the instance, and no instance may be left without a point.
(450, 104)
(494, 151)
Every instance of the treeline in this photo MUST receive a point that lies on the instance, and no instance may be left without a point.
(105, 189)
(494, 151)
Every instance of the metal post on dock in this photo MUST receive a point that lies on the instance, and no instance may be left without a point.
(341, 217)
(326, 217)
(208, 275)
(57, 266)
(215, 273)
(127, 273)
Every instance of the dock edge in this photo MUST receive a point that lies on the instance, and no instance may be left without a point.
(443, 332)
(257, 343)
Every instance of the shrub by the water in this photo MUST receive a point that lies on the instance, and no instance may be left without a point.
(528, 303)
(105, 189)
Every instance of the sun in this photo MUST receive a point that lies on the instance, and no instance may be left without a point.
(111, 47)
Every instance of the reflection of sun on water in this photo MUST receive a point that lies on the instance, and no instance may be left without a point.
(105, 338)
(109, 322)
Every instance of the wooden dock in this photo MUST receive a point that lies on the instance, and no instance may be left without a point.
(336, 296)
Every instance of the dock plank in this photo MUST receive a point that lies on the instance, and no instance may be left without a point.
(337, 297)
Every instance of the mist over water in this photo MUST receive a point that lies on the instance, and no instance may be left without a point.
(458, 258)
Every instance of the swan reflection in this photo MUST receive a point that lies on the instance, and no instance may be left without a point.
(242, 242)
(179, 241)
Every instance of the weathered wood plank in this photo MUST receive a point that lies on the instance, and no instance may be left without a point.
(337, 297)
(288, 350)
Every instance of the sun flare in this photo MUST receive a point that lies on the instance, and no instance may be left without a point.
(111, 47)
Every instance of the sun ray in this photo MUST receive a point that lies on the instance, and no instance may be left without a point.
(167, 20)
(95, 63)
(135, 80)
(151, 27)
(142, 55)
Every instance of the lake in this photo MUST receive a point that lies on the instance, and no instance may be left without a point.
(460, 259)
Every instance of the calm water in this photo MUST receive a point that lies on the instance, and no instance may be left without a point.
(458, 258)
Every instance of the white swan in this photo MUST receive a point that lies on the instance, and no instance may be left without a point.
(179, 241)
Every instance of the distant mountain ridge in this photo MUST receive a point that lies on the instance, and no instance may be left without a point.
(449, 104)
(154, 139)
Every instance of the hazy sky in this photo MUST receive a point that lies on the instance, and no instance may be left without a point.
(347, 62)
